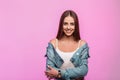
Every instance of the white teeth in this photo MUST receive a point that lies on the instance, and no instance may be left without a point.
(68, 31)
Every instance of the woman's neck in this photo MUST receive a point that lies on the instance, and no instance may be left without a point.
(68, 38)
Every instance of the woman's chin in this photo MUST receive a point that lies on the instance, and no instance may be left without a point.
(68, 35)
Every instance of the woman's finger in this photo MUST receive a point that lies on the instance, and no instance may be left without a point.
(49, 67)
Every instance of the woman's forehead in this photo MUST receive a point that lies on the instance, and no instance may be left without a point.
(69, 18)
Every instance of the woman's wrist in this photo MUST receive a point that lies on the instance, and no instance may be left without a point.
(59, 74)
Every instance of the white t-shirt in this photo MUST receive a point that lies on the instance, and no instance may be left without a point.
(66, 56)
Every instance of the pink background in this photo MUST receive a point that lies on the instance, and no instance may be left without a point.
(26, 26)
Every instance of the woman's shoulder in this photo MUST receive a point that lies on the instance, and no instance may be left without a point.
(82, 42)
(53, 41)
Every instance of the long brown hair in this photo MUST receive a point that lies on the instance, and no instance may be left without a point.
(76, 33)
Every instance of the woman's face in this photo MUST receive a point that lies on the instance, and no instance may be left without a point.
(68, 26)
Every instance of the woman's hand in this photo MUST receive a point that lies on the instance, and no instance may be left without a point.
(51, 73)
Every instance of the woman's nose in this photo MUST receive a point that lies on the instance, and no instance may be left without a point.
(68, 26)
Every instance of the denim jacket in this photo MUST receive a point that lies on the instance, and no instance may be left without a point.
(79, 60)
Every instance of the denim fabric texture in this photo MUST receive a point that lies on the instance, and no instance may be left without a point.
(79, 59)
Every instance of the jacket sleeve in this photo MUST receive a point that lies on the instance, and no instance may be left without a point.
(79, 71)
(50, 58)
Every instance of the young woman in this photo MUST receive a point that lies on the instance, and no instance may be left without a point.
(67, 55)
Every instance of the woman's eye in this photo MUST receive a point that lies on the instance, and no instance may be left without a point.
(65, 23)
(72, 24)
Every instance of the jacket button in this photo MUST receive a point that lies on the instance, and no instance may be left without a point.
(77, 53)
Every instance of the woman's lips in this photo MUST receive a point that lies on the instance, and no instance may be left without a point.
(69, 31)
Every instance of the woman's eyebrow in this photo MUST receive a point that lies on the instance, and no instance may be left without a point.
(65, 22)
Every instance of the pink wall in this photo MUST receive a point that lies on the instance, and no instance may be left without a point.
(26, 26)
